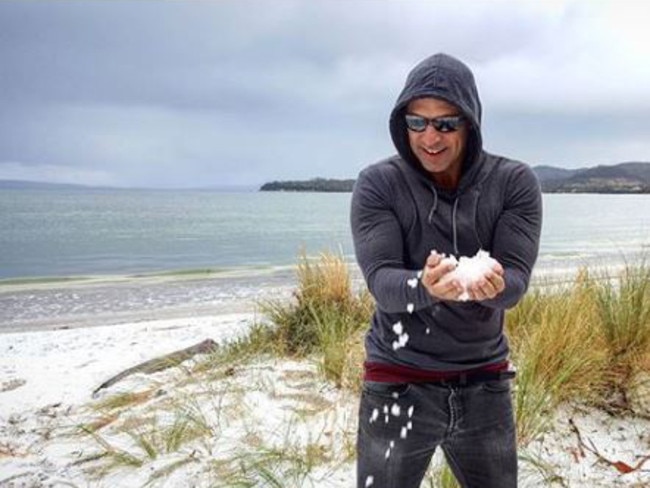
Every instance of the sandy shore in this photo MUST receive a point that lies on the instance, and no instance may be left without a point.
(47, 378)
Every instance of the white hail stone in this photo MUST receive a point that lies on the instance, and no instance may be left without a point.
(370, 481)
(413, 282)
(395, 410)
(395, 395)
(470, 270)
(428, 330)
(409, 425)
(387, 453)
(410, 307)
(375, 414)
(403, 339)
(419, 275)
(398, 328)
(410, 411)
(403, 433)
(385, 408)
(392, 444)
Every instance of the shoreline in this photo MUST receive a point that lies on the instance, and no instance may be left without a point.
(104, 300)
(66, 305)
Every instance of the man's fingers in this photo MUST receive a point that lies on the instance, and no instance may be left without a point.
(433, 260)
(449, 288)
(496, 281)
(487, 287)
(435, 274)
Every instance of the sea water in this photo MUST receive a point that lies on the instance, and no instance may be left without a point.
(69, 255)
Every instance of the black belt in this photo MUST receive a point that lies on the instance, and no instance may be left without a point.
(465, 379)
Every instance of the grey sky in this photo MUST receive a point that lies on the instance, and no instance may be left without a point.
(186, 94)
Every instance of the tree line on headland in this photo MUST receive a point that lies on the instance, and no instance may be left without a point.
(619, 178)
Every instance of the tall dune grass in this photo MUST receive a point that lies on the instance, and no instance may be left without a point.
(558, 351)
(624, 310)
(324, 317)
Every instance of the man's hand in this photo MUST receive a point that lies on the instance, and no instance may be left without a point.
(433, 278)
(489, 286)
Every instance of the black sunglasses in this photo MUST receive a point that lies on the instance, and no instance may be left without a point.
(446, 123)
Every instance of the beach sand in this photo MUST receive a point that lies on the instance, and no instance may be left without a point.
(268, 414)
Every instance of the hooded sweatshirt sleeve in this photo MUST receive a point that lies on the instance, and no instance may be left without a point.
(378, 245)
(516, 236)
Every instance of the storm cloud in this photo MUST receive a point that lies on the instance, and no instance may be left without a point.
(194, 94)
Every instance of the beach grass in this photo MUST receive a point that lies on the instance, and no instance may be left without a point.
(323, 316)
(558, 351)
(574, 342)
(624, 309)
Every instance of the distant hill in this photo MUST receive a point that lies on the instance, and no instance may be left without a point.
(619, 178)
(38, 185)
(548, 173)
(314, 185)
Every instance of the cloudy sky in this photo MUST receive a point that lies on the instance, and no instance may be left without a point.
(218, 93)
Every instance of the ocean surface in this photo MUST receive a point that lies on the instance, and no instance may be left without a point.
(74, 256)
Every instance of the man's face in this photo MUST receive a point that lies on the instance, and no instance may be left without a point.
(441, 153)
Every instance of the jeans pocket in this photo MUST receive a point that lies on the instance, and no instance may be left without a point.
(386, 390)
(496, 386)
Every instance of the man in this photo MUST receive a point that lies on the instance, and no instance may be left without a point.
(436, 370)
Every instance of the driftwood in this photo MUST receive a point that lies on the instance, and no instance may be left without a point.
(162, 362)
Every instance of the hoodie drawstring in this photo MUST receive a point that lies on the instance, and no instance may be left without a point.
(454, 217)
(453, 225)
(434, 206)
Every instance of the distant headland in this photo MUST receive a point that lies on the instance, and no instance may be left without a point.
(631, 177)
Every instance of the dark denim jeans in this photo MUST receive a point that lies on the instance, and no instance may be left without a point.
(401, 425)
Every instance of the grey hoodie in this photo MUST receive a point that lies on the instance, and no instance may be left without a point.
(398, 216)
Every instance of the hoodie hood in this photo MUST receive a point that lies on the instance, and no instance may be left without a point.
(444, 77)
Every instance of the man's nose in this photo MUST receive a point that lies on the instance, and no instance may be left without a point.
(431, 134)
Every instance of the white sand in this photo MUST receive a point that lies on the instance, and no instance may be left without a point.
(45, 393)
(65, 366)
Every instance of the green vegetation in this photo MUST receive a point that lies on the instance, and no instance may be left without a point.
(314, 185)
(324, 316)
(581, 341)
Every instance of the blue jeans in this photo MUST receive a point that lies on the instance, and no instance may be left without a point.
(402, 424)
